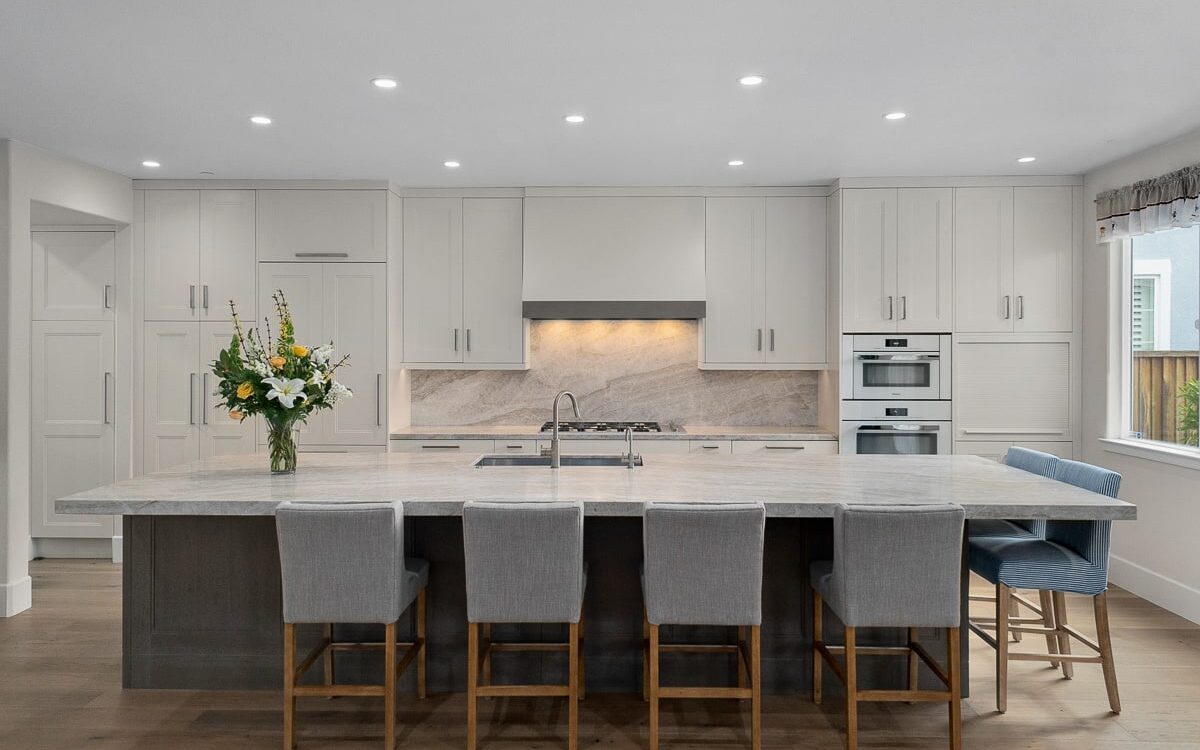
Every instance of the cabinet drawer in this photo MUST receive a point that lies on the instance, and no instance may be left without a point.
(442, 446)
(709, 446)
(818, 447)
(336, 449)
(322, 225)
(516, 446)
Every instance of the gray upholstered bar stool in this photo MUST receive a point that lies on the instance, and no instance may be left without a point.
(703, 566)
(893, 566)
(345, 563)
(524, 564)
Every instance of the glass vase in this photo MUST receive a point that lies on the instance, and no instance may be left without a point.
(281, 443)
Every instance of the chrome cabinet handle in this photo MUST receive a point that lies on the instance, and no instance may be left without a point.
(204, 399)
(205, 296)
(107, 303)
(891, 309)
(378, 399)
(759, 344)
(772, 339)
(455, 339)
(468, 333)
(1007, 312)
(192, 296)
(514, 447)
(192, 398)
(322, 255)
(107, 380)
(1020, 307)
(784, 447)
(711, 447)
(440, 447)
(904, 307)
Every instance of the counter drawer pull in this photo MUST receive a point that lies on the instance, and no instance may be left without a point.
(514, 447)
(711, 447)
(784, 447)
(441, 447)
(322, 255)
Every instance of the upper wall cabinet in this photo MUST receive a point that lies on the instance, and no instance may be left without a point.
(199, 253)
(73, 275)
(462, 283)
(1014, 249)
(322, 225)
(897, 259)
(766, 276)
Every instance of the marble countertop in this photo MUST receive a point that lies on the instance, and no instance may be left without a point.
(438, 485)
(687, 432)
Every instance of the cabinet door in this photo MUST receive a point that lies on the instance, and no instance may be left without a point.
(795, 264)
(734, 241)
(226, 253)
(72, 420)
(356, 322)
(324, 225)
(170, 392)
(303, 284)
(1043, 244)
(494, 331)
(983, 259)
(219, 435)
(73, 275)
(1012, 391)
(433, 280)
(869, 260)
(925, 259)
(172, 254)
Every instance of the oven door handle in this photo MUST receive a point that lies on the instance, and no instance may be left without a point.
(899, 357)
(898, 429)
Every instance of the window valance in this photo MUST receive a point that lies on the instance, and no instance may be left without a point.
(1172, 200)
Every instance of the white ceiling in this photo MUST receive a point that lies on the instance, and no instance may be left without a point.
(486, 82)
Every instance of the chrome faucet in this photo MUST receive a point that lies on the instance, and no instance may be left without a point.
(629, 448)
(555, 456)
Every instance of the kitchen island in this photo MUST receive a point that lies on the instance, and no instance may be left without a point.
(201, 569)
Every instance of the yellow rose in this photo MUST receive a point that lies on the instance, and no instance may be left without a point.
(277, 362)
(236, 415)
(244, 390)
(299, 351)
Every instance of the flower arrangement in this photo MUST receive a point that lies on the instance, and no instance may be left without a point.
(281, 380)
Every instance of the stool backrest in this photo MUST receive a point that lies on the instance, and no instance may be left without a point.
(341, 562)
(703, 563)
(898, 565)
(1035, 462)
(1089, 539)
(524, 561)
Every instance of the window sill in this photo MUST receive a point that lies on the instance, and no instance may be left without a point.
(1188, 458)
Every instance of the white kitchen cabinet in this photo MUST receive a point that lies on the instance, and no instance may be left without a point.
(766, 277)
(219, 435)
(710, 447)
(786, 447)
(72, 413)
(1013, 250)
(995, 450)
(199, 254)
(73, 275)
(303, 286)
(897, 259)
(1012, 391)
(322, 225)
(412, 445)
(462, 282)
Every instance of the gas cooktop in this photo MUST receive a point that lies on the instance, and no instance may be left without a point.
(603, 426)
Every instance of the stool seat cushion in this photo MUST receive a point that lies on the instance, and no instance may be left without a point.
(1033, 563)
(978, 528)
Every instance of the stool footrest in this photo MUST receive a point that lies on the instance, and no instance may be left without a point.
(522, 691)
(706, 692)
(331, 691)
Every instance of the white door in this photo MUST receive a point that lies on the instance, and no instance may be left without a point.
(325, 225)
(869, 260)
(433, 280)
(226, 253)
(73, 275)
(172, 254)
(219, 435)
(795, 263)
(356, 322)
(303, 285)
(72, 413)
(734, 239)
(494, 331)
(983, 259)
(171, 395)
(925, 259)
(1043, 240)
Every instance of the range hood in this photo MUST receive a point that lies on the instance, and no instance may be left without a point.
(608, 257)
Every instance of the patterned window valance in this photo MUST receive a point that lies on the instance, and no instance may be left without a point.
(1172, 200)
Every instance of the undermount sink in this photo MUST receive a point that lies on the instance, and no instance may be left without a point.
(544, 461)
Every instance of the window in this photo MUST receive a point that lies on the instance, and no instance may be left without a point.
(1164, 336)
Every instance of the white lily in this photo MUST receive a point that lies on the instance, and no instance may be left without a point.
(286, 391)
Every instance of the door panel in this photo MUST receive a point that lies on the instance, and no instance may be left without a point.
(983, 259)
(303, 284)
(1043, 241)
(219, 435)
(433, 280)
(333, 225)
(171, 384)
(734, 232)
(925, 259)
(73, 275)
(796, 283)
(494, 331)
(356, 322)
(226, 253)
(172, 247)
(869, 260)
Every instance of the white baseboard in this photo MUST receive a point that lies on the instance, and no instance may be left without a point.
(73, 548)
(18, 596)
(1166, 592)
(118, 549)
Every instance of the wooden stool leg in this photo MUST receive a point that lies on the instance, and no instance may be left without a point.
(573, 687)
(472, 682)
(1064, 638)
(653, 687)
(486, 677)
(913, 664)
(582, 660)
(755, 687)
(1047, 603)
(1003, 594)
(1014, 611)
(424, 648)
(851, 691)
(645, 657)
(954, 670)
(327, 657)
(1104, 637)
(818, 618)
(289, 685)
(743, 669)
(389, 687)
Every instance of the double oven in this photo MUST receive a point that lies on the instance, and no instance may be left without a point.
(896, 394)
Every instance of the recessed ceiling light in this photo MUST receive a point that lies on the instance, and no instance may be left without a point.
(1026, 159)
(751, 80)
(451, 164)
(151, 164)
(260, 120)
(574, 119)
(384, 83)
(736, 163)
(895, 115)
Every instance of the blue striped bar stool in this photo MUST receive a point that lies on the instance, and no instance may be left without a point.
(345, 563)
(524, 564)
(1071, 558)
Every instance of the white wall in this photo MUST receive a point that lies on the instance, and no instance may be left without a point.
(1157, 556)
(28, 173)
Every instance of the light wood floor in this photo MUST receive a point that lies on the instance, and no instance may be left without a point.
(60, 688)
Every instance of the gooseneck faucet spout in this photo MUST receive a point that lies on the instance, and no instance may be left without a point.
(555, 455)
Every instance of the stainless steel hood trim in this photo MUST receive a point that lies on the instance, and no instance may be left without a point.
(612, 310)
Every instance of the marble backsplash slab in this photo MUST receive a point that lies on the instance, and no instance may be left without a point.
(619, 369)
